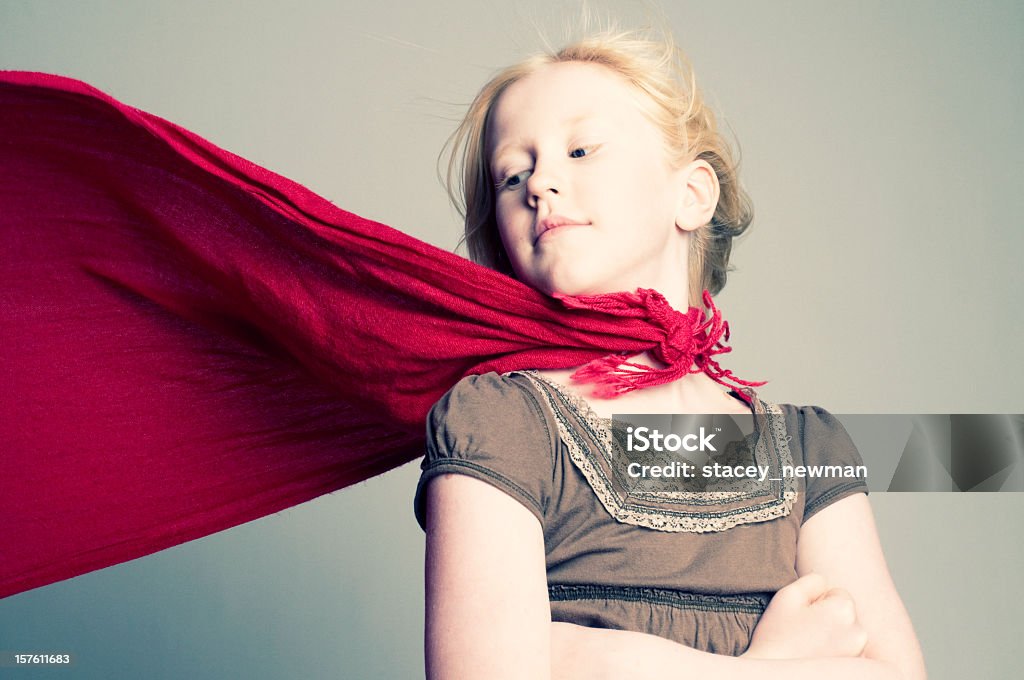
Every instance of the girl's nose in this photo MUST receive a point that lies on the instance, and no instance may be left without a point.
(541, 182)
(536, 196)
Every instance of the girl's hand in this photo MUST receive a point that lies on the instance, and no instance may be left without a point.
(806, 620)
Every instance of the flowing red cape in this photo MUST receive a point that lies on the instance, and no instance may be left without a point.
(190, 341)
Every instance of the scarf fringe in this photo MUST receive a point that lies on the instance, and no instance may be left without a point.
(686, 344)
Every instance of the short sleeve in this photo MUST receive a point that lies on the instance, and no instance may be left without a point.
(833, 465)
(493, 428)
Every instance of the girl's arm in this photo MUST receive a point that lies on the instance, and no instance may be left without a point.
(841, 543)
(487, 610)
(580, 653)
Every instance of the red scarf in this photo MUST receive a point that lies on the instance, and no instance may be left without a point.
(191, 341)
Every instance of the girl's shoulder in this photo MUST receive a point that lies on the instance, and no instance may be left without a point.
(492, 405)
(491, 427)
(484, 391)
(808, 422)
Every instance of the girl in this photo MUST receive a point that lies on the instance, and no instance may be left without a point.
(588, 172)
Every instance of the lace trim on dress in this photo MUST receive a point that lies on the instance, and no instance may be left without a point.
(589, 441)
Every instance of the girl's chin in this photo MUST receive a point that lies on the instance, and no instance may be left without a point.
(572, 278)
(579, 288)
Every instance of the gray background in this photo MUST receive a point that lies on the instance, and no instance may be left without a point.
(881, 147)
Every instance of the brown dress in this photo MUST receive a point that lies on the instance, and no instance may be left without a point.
(696, 568)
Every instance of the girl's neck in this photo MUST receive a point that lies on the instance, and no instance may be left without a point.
(693, 393)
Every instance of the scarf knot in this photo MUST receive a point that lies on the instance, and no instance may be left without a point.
(684, 343)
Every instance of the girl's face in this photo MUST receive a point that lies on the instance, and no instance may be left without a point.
(569, 143)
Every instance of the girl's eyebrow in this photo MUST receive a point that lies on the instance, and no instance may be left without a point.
(565, 123)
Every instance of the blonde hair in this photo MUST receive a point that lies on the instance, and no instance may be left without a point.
(656, 67)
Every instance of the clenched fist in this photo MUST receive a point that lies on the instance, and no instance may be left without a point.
(806, 620)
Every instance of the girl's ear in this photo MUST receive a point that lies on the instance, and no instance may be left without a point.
(698, 197)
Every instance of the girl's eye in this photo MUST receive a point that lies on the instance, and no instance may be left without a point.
(512, 181)
(585, 150)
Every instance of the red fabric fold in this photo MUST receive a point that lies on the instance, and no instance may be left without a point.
(191, 341)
